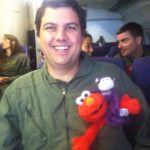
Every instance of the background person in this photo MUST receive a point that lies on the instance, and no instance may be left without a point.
(87, 44)
(130, 42)
(101, 41)
(13, 61)
(38, 110)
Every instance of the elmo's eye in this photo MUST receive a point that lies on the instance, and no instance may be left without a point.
(79, 101)
(85, 94)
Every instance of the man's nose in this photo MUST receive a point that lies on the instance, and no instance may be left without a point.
(60, 34)
(119, 44)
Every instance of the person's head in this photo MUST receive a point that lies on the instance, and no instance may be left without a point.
(81, 13)
(60, 26)
(10, 42)
(87, 44)
(130, 39)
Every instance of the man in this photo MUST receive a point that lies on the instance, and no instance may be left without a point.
(130, 42)
(38, 110)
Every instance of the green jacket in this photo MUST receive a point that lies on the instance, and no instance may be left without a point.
(13, 67)
(38, 112)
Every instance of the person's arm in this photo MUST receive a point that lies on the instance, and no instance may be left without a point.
(9, 134)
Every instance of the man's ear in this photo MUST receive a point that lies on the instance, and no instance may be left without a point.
(139, 40)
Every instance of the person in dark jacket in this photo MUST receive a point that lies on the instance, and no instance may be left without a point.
(38, 110)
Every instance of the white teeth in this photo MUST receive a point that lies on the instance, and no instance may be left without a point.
(61, 47)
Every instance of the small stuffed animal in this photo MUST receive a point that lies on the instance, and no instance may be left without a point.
(117, 110)
(106, 87)
(92, 108)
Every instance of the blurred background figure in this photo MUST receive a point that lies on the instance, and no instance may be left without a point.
(13, 61)
(100, 41)
(87, 44)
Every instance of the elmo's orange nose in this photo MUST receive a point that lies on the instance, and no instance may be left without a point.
(89, 101)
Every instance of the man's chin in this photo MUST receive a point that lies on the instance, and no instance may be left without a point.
(123, 54)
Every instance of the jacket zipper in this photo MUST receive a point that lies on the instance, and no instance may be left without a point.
(66, 115)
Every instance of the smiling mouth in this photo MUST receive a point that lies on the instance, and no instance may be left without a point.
(61, 48)
(123, 50)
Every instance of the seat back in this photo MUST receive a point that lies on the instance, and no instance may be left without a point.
(141, 75)
(103, 50)
(114, 50)
(117, 61)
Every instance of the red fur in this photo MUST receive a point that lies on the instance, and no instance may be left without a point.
(88, 113)
(132, 104)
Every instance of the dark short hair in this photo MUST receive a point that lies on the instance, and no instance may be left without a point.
(61, 3)
(134, 28)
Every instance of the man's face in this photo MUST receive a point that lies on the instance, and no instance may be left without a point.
(128, 44)
(60, 36)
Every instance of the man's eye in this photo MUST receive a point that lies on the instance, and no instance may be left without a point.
(125, 40)
(71, 28)
(50, 28)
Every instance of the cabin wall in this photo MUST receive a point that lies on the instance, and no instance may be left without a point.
(14, 19)
(101, 22)
(139, 12)
(104, 28)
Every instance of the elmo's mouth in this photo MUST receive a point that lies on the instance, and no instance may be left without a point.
(97, 110)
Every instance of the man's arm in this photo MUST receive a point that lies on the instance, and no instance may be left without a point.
(9, 135)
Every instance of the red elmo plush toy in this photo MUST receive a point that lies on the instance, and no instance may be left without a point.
(92, 107)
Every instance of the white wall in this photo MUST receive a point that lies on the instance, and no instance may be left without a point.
(32, 7)
(104, 28)
(14, 19)
(139, 12)
(103, 22)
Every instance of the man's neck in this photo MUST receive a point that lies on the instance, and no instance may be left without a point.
(63, 73)
(139, 53)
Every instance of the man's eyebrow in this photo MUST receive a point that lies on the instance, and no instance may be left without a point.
(124, 39)
(73, 23)
(69, 23)
(49, 23)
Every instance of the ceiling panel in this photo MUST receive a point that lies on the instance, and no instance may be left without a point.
(98, 3)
